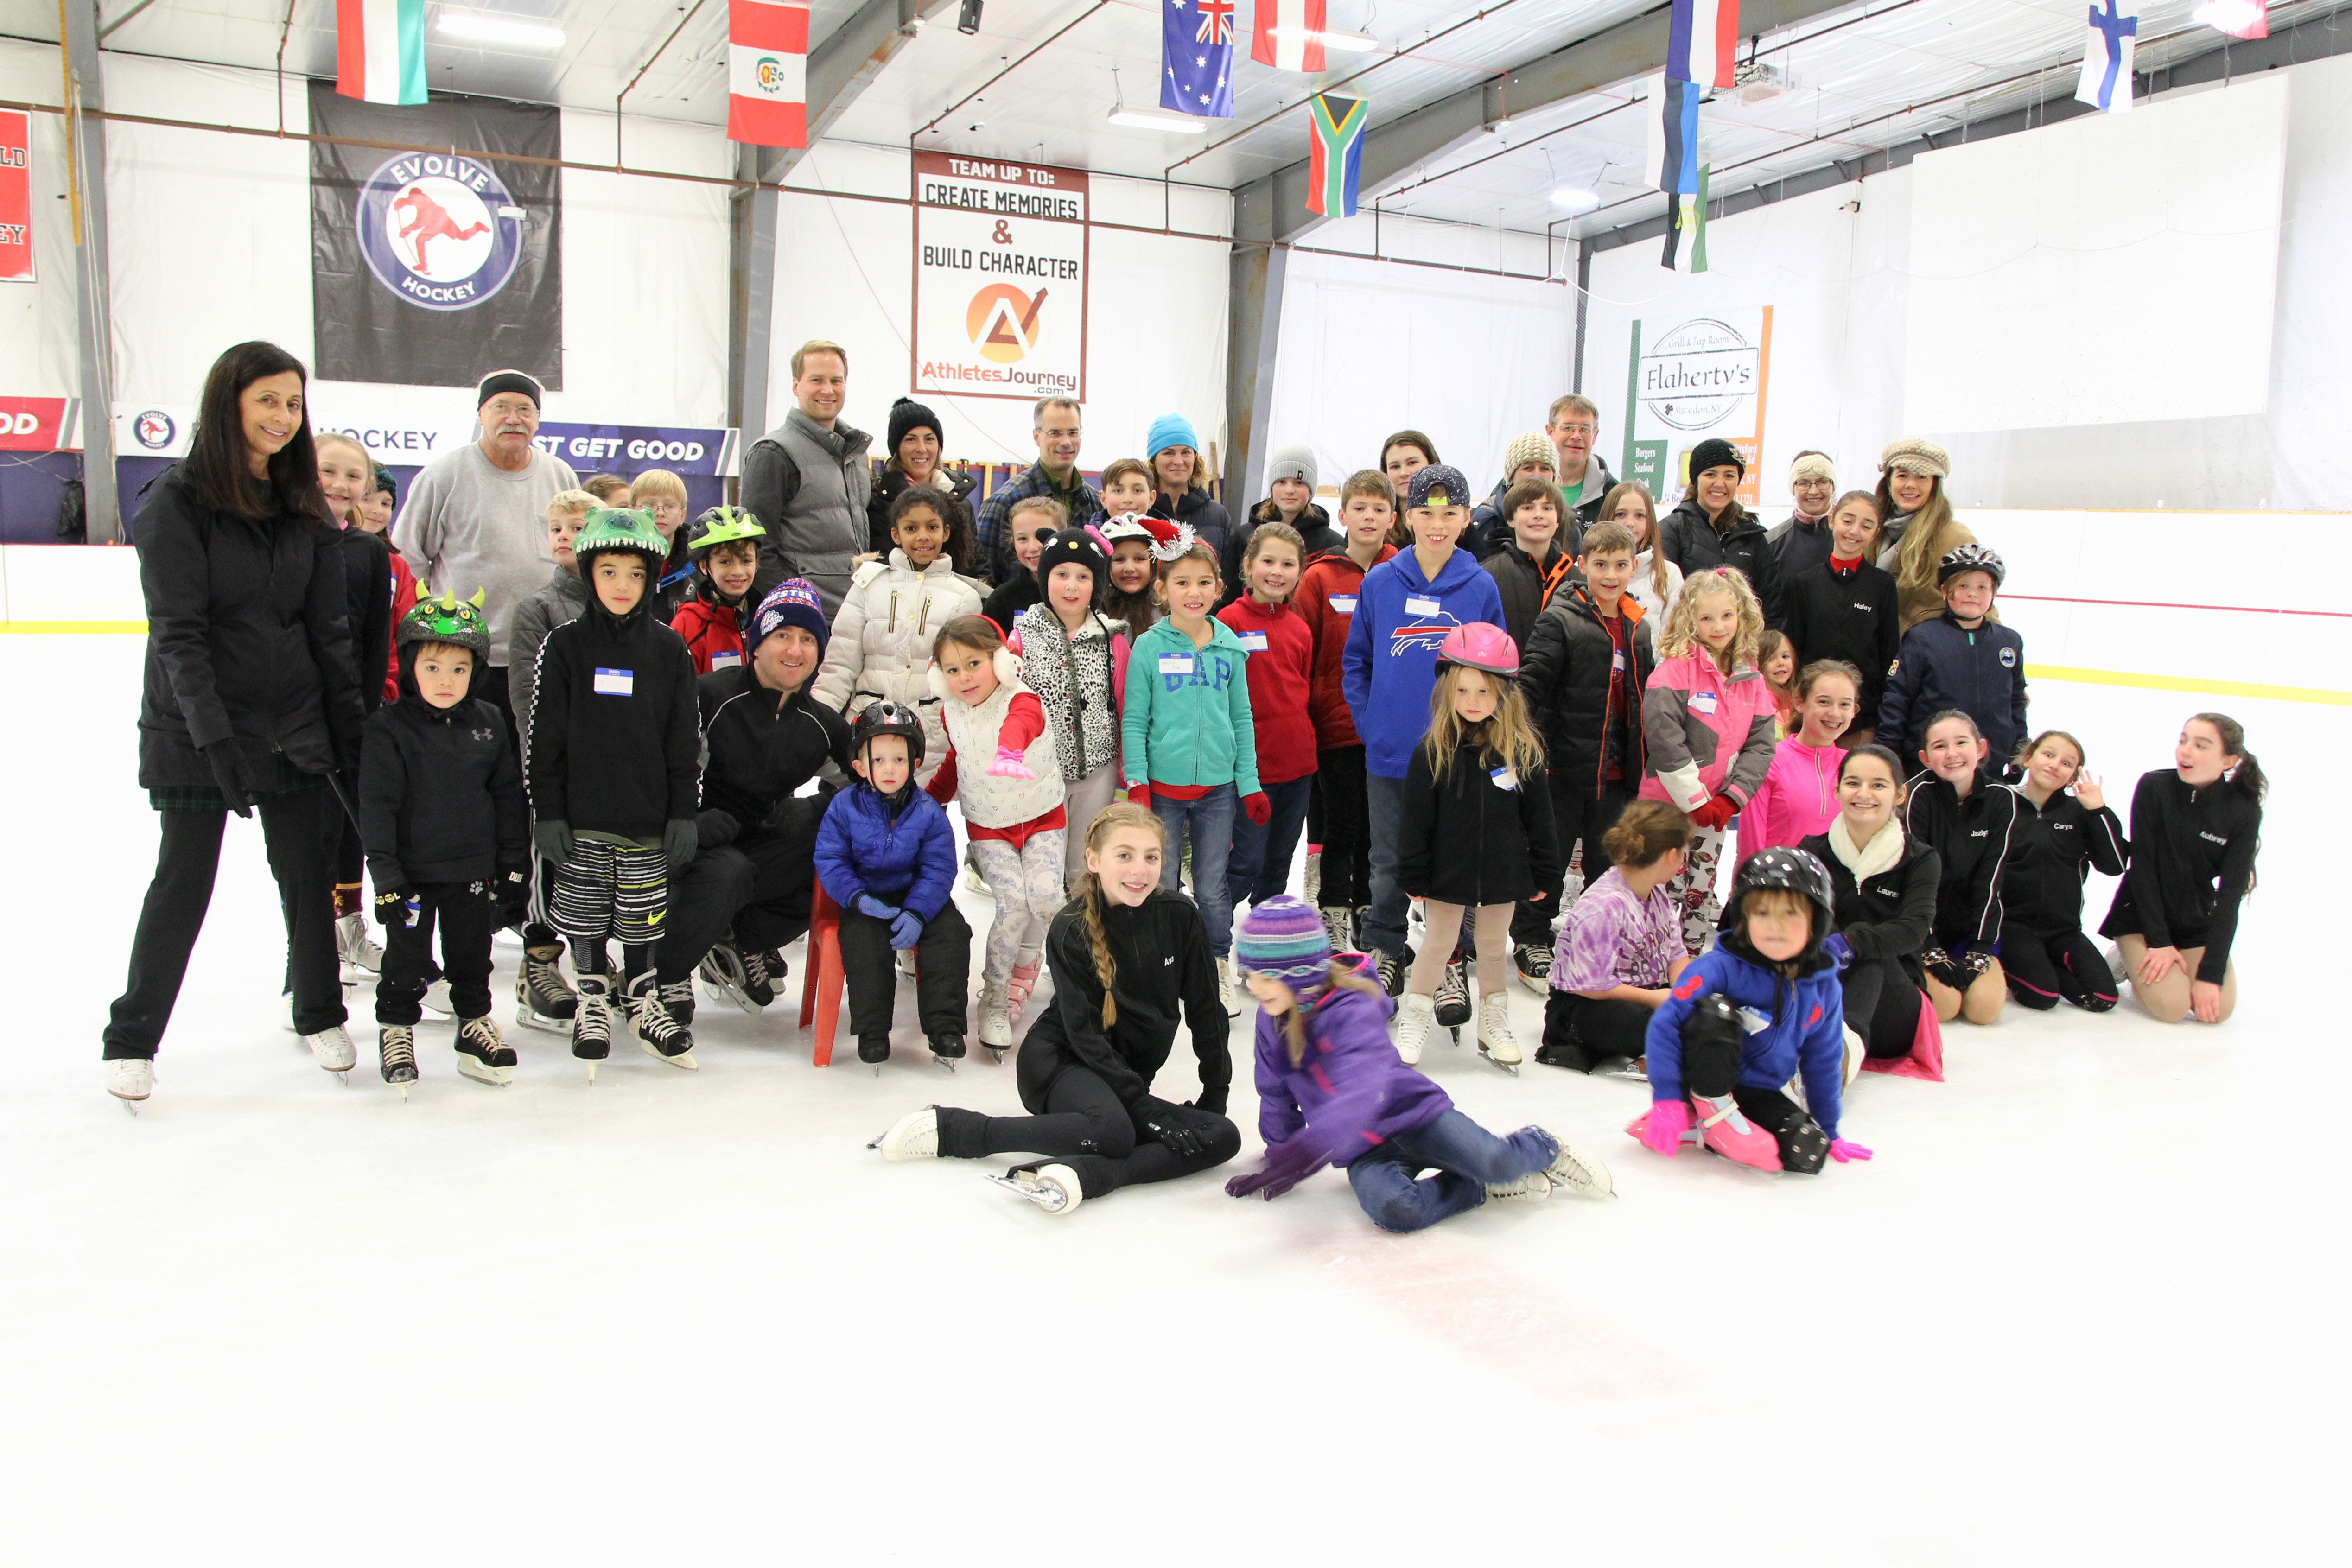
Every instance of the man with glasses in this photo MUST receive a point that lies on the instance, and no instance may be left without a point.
(1055, 423)
(807, 482)
(1584, 478)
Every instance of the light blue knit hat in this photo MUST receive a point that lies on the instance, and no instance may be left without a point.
(1170, 430)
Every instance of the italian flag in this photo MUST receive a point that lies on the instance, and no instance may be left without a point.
(767, 74)
(379, 50)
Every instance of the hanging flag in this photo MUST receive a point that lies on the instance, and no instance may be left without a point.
(767, 74)
(1673, 167)
(1335, 161)
(379, 50)
(1196, 57)
(2239, 18)
(1284, 34)
(1703, 42)
(2107, 61)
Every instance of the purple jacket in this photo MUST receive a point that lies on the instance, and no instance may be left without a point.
(1351, 1093)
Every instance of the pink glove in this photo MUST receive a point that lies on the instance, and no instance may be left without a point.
(1257, 808)
(1842, 1151)
(1663, 1129)
(1008, 765)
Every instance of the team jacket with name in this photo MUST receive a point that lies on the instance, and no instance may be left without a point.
(2192, 861)
(1972, 837)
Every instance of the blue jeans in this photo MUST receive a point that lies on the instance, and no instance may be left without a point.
(1383, 928)
(1467, 1157)
(1260, 867)
(1211, 820)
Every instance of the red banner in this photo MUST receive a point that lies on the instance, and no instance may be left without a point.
(16, 196)
(32, 424)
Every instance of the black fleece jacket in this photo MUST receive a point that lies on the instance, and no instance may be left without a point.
(2192, 860)
(1850, 615)
(760, 754)
(1696, 544)
(1160, 947)
(1474, 837)
(1972, 837)
(441, 796)
(2057, 846)
(1890, 915)
(615, 740)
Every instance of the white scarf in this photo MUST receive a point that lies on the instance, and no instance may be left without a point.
(1884, 851)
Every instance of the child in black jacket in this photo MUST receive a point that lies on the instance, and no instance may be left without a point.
(1968, 819)
(1962, 660)
(615, 745)
(1883, 885)
(2060, 837)
(1845, 607)
(447, 836)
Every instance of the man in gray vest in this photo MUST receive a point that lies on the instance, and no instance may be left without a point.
(807, 481)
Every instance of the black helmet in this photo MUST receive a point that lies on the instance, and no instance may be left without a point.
(886, 717)
(1789, 870)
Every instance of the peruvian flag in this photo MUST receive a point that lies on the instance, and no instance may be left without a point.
(379, 50)
(1703, 42)
(767, 74)
(1280, 38)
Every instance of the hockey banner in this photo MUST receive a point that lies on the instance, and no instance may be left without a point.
(767, 74)
(16, 196)
(1001, 273)
(1703, 42)
(1287, 35)
(379, 50)
(1689, 377)
(434, 268)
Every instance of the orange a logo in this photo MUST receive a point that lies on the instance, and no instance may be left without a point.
(1001, 322)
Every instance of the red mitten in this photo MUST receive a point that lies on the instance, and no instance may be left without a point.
(1719, 810)
(1257, 808)
(1141, 794)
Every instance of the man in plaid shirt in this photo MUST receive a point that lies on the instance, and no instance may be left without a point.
(1055, 473)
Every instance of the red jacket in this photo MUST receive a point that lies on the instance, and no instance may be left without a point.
(1281, 657)
(404, 600)
(713, 633)
(1326, 600)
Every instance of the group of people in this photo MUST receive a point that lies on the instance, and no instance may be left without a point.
(1528, 723)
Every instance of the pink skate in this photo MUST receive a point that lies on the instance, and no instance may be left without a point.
(1722, 1127)
(1024, 976)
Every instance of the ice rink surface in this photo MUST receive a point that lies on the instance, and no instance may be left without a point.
(2085, 1306)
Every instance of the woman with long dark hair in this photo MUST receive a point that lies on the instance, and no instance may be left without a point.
(249, 699)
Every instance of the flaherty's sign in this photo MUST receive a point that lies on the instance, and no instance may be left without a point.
(1000, 304)
(1692, 378)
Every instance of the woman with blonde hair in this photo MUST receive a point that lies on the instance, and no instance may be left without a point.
(1919, 528)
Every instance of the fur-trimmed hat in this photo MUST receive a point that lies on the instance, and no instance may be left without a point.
(1914, 455)
(1167, 538)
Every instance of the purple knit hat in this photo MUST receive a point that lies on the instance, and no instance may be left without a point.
(1283, 937)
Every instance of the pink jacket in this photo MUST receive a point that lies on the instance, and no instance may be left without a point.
(1708, 734)
(1797, 799)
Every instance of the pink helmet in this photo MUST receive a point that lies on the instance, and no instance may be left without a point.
(1480, 646)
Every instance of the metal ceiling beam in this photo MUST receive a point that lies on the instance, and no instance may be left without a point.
(1273, 208)
(846, 64)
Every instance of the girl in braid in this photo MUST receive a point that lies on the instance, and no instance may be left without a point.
(1126, 957)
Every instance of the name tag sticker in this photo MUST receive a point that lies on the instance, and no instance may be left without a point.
(1422, 607)
(1617, 659)
(615, 683)
(1504, 778)
(1253, 642)
(1345, 603)
(1702, 701)
(726, 660)
(1175, 664)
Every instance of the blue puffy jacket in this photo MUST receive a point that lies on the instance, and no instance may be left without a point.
(1804, 1024)
(908, 859)
(1349, 1093)
(1390, 662)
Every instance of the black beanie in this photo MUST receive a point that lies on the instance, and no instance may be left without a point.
(499, 382)
(905, 415)
(1716, 453)
(1074, 547)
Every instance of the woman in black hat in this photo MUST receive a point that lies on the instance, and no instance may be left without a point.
(915, 445)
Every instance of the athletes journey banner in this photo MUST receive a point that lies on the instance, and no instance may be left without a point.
(431, 268)
(999, 277)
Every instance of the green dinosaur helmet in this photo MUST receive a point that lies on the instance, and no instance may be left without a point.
(447, 619)
(615, 527)
(722, 526)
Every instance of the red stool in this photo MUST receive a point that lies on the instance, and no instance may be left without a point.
(820, 974)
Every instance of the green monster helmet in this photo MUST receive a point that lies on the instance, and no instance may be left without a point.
(447, 619)
(722, 526)
(616, 527)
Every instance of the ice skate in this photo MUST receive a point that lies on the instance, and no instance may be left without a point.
(1390, 969)
(541, 998)
(947, 1049)
(995, 1020)
(1339, 926)
(1053, 1188)
(1854, 1056)
(1315, 877)
(660, 1036)
(131, 1078)
(1579, 1171)
(591, 1026)
(1723, 1127)
(1496, 1044)
(1415, 1016)
(913, 1136)
(483, 1053)
(677, 998)
(395, 1049)
(332, 1049)
(436, 1000)
(1017, 989)
(974, 883)
(1453, 998)
(873, 1050)
(362, 957)
(1532, 1188)
(1227, 992)
(1533, 962)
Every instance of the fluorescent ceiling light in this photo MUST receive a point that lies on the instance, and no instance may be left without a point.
(500, 30)
(1339, 42)
(1575, 199)
(1157, 119)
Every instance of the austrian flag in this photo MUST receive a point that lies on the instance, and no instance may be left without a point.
(767, 74)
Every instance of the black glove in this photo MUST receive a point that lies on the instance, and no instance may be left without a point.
(679, 842)
(553, 841)
(713, 827)
(510, 893)
(396, 905)
(1186, 1129)
(228, 776)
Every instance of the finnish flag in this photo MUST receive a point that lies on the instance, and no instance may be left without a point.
(2107, 81)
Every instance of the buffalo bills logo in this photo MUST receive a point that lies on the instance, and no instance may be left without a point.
(1421, 631)
(438, 229)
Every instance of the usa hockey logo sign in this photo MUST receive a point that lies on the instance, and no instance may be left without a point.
(439, 230)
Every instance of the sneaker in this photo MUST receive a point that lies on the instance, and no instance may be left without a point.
(1053, 1188)
(1580, 1172)
(130, 1077)
(1415, 1016)
(1227, 992)
(1453, 998)
(541, 998)
(591, 1023)
(661, 1036)
(483, 1052)
(913, 1136)
(1533, 961)
(1313, 874)
(1496, 1041)
(395, 1049)
(995, 1019)
(1392, 968)
(678, 998)
(363, 956)
(1340, 927)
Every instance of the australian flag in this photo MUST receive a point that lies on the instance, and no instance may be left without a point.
(1196, 57)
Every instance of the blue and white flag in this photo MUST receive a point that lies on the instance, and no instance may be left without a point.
(2107, 61)
(1196, 57)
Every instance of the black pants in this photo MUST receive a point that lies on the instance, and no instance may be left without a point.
(1314, 810)
(1578, 816)
(758, 888)
(1881, 1005)
(1086, 1127)
(2044, 969)
(1597, 1029)
(185, 864)
(942, 973)
(466, 920)
(490, 685)
(1347, 831)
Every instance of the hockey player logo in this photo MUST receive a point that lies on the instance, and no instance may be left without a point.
(439, 230)
(426, 220)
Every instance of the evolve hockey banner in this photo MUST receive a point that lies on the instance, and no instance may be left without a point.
(434, 268)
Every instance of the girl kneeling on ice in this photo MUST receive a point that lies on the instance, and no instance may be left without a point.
(1331, 1091)
(1751, 1013)
(1126, 955)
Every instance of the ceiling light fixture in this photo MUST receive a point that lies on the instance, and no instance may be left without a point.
(1337, 41)
(1156, 120)
(967, 18)
(500, 30)
(1575, 199)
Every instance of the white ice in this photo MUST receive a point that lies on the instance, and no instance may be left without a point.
(2085, 1306)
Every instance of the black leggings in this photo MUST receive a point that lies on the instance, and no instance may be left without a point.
(1599, 1029)
(2046, 968)
(1086, 1127)
(1346, 829)
(1881, 1005)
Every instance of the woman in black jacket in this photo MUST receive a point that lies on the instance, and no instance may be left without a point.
(916, 443)
(1711, 528)
(249, 697)
(2060, 837)
(1969, 819)
(1885, 882)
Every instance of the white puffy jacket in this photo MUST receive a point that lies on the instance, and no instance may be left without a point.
(881, 645)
